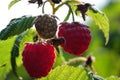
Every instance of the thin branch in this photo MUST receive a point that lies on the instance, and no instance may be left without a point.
(71, 11)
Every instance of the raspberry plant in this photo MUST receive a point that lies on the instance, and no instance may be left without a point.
(69, 37)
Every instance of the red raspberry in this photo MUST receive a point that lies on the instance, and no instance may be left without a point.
(77, 37)
(38, 59)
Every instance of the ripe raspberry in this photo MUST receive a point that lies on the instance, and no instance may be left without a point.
(38, 59)
(46, 26)
(77, 37)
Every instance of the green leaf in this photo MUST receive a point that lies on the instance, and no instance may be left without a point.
(66, 73)
(101, 20)
(60, 58)
(15, 52)
(12, 3)
(5, 48)
(17, 26)
(73, 4)
(113, 78)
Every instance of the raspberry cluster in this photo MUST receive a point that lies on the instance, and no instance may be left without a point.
(39, 57)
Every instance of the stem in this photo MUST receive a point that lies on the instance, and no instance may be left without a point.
(66, 2)
(59, 7)
(68, 15)
(52, 4)
(43, 7)
(53, 7)
(76, 60)
(71, 11)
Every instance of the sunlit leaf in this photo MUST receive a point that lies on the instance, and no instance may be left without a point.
(113, 78)
(101, 20)
(17, 26)
(5, 48)
(73, 4)
(67, 73)
(60, 58)
(16, 61)
(12, 3)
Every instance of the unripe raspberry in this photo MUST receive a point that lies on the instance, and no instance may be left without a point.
(77, 37)
(46, 26)
(38, 59)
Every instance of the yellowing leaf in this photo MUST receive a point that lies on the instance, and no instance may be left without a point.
(113, 78)
(101, 20)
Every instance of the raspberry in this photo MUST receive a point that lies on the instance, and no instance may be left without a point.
(77, 37)
(38, 59)
(46, 26)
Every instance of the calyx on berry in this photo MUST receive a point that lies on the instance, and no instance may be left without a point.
(83, 8)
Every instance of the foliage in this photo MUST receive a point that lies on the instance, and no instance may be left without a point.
(67, 73)
(19, 31)
(101, 20)
(15, 51)
(5, 48)
(16, 26)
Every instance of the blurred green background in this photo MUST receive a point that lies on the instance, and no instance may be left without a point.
(107, 57)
